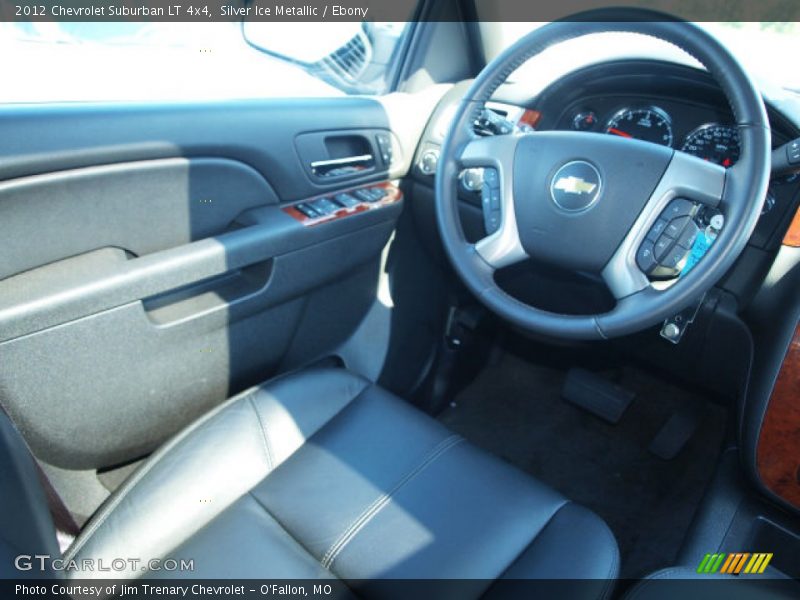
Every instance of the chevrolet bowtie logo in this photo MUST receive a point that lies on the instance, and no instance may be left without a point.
(574, 185)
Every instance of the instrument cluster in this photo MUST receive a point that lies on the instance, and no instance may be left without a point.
(715, 141)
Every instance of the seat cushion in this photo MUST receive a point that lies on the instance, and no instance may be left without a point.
(322, 474)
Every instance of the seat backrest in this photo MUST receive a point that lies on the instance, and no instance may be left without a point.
(26, 527)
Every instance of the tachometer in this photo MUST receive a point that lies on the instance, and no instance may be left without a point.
(650, 124)
(715, 143)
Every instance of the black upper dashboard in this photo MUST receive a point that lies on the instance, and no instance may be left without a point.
(674, 105)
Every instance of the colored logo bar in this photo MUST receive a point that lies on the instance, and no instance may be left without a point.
(735, 563)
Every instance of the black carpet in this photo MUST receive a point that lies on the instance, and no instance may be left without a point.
(514, 410)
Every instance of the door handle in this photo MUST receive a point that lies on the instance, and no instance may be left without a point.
(338, 162)
(341, 166)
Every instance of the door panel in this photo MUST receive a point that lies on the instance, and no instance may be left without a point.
(149, 269)
(141, 207)
(82, 285)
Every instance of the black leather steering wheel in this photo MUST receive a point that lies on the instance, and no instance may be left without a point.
(584, 201)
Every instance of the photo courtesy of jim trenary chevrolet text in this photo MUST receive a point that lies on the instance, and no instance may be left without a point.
(429, 299)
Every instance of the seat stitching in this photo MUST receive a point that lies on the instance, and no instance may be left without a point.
(278, 522)
(373, 509)
(264, 435)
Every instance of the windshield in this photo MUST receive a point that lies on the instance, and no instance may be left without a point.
(763, 48)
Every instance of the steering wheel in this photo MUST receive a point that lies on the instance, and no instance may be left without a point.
(598, 203)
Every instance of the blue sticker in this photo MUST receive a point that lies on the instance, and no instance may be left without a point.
(699, 249)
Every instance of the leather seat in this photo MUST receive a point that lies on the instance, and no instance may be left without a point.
(321, 474)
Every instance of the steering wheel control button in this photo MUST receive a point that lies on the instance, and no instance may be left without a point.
(657, 229)
(673, 257)
(491, 178)
(490, 201)
(676, 226)
(688, 236)
(662, 246)
(494, 199)
(679, 207)
(491, 221)
(645, 257)
(576, 186)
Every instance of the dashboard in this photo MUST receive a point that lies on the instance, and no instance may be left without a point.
(671, 105)
(703, 131)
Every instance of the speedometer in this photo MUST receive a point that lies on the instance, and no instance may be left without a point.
(715, 143)
(650, 124)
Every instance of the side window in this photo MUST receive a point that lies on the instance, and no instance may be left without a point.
(352, 57)
(140, 61)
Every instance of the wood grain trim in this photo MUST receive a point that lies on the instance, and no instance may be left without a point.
(393, 194)
(792, 237)
(530, 117)
(778, 452)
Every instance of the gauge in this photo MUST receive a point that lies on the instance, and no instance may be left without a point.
(584, 121)
(715, 143)
(650, 124)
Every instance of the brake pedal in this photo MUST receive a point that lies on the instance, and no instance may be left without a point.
(596, 395)
(674, 435)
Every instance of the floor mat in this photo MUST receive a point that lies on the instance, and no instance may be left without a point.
(514, 410)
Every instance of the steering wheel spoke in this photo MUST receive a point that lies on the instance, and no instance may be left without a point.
(695, 179)
(495, 154)
(624, 278)
(686, 182)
